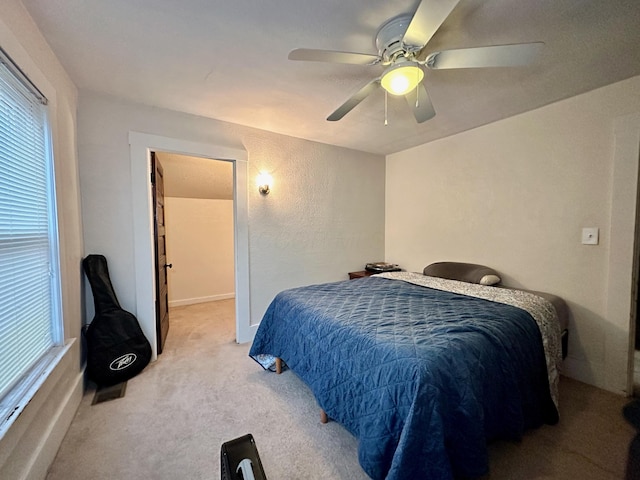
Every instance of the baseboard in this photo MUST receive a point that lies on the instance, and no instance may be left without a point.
(192, 301)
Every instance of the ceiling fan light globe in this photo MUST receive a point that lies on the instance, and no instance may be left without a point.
(401, 79)
(399, 84)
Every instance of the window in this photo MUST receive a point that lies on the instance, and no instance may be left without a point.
(30, 318)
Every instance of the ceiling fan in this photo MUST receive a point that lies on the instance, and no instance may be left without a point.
(402, 50)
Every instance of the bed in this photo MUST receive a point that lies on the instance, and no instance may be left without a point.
(423, 370)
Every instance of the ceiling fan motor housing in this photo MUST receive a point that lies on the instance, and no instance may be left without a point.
(389, 39)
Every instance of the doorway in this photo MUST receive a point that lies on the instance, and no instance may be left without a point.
(141, 146)
(194, 225)
(634, 332)
(625, 239)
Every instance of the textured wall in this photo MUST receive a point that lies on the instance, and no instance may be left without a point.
(323, 218)
(515, 195)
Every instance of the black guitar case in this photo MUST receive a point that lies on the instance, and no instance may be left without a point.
(117, 349)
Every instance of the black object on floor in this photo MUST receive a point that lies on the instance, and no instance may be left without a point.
(239, 460)
(104, 394)
(117, 348)
(631, 412)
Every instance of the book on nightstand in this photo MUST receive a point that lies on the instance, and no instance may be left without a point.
(379, 267)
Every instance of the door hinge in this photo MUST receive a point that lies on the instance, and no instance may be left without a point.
(153, 177)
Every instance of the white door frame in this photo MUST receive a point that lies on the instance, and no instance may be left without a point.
(141, 144)
(620, 342)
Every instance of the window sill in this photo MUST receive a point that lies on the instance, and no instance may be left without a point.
(15, 402)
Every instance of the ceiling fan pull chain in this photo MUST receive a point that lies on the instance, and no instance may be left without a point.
(417, 91)
(385, 109)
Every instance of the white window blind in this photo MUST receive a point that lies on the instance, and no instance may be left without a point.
(30, 323)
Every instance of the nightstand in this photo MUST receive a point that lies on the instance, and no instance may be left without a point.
(360, 274)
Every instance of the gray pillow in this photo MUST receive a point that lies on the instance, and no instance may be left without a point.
(463, 272)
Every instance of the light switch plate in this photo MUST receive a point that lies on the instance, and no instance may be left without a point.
(590, 236)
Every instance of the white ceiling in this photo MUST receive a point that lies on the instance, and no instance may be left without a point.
(195, 177)
(228, 60)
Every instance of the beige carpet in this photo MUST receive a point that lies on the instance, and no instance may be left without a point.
(205, 390)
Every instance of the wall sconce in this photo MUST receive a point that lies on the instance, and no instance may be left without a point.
(264, 182)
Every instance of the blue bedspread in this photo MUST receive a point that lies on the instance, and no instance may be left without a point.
(422, 377)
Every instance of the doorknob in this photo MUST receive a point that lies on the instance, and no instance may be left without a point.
(168, 265)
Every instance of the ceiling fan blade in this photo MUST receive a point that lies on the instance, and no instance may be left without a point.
(355, 99)
(426, 21)
(517, 55)
(420, 103)
(311, 55)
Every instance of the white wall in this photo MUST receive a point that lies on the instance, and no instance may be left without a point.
(515, 195)
(31, 443)
(323, 218)
(200, 248)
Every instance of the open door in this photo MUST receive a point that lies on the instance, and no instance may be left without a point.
(162, 293)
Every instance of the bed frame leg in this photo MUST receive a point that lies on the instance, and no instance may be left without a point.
(323, 417)
(278, 365)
